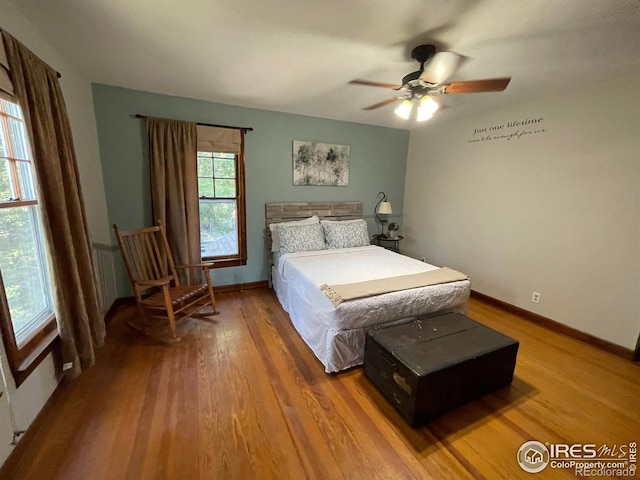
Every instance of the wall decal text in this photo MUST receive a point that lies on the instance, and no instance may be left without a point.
(514, 130)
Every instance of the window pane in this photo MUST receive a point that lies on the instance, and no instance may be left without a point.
(218, 228)
(26, 181)
(205, 187)
(225, 188)
(24, 269)
(5, 183)
(205, 167)
(225, 168)
(3, 148)
(18, 139)
(12, 109)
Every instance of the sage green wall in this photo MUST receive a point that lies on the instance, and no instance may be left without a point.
(378, 162)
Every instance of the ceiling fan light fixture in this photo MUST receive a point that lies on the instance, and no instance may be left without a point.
(404, 109)
(426, 109)
(429, 104)
(435, 69)
(423, 115)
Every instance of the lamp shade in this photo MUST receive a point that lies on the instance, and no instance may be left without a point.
(385, 208)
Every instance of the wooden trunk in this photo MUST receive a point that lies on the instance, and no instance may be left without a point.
(434, 364)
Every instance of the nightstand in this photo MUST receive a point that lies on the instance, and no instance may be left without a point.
(387, 242)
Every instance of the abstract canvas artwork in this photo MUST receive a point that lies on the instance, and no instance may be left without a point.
(320, 164)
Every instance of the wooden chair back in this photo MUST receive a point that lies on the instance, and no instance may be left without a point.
(146, 256)
(152, 271)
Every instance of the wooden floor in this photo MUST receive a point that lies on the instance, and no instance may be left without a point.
(243, 397)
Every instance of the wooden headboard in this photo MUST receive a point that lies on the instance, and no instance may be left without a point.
(288, 212)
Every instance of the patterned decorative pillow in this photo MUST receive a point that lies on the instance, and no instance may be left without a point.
(346, 234)
(275, 240)
(301, 238)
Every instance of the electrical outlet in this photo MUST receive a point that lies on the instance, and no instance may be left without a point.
(535, 297)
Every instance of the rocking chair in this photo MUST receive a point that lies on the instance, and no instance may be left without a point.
(154, 277)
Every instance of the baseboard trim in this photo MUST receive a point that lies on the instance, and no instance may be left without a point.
(117, 303)
(238, 287)
(558, 327)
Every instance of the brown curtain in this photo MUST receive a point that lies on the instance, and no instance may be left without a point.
(174, 189)
(6, 87)
(38, 91)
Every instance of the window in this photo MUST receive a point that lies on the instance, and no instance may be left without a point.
(23, 260)
(222, 207)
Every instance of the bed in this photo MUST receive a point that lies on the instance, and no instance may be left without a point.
(336, 334)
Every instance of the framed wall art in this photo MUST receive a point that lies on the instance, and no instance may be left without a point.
(320, 164)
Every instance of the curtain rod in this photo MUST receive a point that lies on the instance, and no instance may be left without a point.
(244, 129)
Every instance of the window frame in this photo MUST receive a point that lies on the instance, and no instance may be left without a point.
(25, 358)
(240, 258)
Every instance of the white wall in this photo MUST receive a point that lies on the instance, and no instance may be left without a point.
(556, 212)
(29, 399)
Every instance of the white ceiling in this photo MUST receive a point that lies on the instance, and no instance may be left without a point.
(298, 55)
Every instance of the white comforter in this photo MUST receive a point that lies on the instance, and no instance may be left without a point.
(304, 272)
(336, 335)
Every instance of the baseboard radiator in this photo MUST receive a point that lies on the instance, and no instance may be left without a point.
(105, 275)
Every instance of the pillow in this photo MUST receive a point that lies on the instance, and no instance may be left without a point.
(346, 234)
(301, 238)
(275, 240)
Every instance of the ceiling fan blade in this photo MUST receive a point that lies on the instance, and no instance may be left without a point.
(375, 84)
(441, 67)
(475, 86)
(383, 103)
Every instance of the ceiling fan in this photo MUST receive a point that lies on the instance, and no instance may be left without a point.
(418, 87)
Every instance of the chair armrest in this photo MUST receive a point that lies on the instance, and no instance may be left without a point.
(155, 283)
(197, 265)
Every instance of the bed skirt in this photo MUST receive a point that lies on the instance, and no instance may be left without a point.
(340, 349)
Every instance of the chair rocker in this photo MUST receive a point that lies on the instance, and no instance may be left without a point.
(153, 275)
